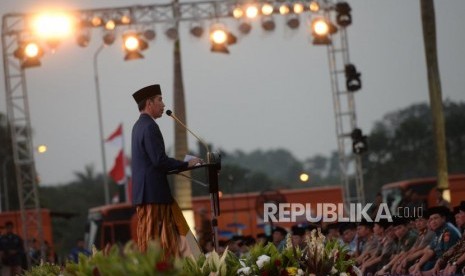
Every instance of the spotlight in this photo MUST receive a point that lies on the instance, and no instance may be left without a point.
(96, 21)
(293, 22)
(53, 26)
(245, 27)
(359, 141)
(83, 39)
(220, 38)
(109, 38)
(110, 25)
(298, 8)
(284, 9)
(125, 19)
(314, 6)
(29, 53)
(267, 9)
(196, 30)
(171, 33)
(133, 44)
(251, 11)
(321, 30)
(238, 12)
(268, 24)
(353, 81)
(149, 34)
(343, 16)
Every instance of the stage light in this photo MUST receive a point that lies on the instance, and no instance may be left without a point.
(31, 50)
(109, 38)
(171, 33)
(29, 54)
(267, 9)
(284, 9)
(53, 26)
(220, 38)
(251, 11)
(314, 6)
(353, 81)
(245, 27)
(268, 24)
(132, 45)
(110, 25)
(304, 177)
(149, 34)
(359, 141)
(293, 22)
(321, 30)
(196, 29)
(83, 38)
(96, 21)
(125, 19)
(343, 16)
(320, 27)
(298, 8)
(238, 12)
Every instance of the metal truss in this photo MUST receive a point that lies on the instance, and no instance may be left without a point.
(350, 164)
(16, 29)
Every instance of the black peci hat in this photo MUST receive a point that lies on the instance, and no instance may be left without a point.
(462, 206)
(146, 92)
(440, 210)
(298, 230)
(280, 230)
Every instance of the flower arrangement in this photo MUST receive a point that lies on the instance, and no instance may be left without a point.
(326, 257)
(319, 257)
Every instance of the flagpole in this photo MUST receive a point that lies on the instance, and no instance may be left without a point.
(100, 121)
(126, 182)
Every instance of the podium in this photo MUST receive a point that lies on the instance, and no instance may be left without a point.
(212, 169)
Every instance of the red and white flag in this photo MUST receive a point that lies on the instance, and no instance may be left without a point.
(116, 138)
(118, 172)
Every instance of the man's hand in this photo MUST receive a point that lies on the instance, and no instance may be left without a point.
(195, 162)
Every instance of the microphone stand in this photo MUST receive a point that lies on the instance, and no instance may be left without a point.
(214, 161)
(213, 167)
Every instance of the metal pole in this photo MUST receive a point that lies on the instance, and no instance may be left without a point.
(5, 185)
(100, 123)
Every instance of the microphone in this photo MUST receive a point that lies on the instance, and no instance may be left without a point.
(171, 114)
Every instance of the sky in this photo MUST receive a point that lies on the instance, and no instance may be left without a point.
(273, 90)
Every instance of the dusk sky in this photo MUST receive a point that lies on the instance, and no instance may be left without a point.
(272, 91)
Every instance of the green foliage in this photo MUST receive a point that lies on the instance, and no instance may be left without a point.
(44, 270)
(126, 261)
(261, 260)
(401, 145)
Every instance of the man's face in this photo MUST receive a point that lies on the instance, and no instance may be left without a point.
(460, 219)
(400, 231)
(362, 231)
(348, 235)
(436, 221)
(421, 224)
(155, 106)
(296, 240)
(277, 236)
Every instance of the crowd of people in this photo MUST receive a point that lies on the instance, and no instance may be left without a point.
(432, 243)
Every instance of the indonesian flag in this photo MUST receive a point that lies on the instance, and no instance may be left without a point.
(118, 172)
(116, 138)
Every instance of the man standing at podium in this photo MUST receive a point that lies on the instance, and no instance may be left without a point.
(159, 216)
